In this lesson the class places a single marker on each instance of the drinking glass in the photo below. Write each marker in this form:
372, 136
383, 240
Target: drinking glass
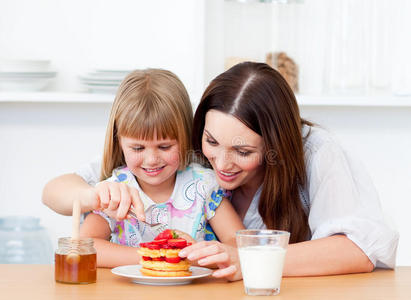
262, 255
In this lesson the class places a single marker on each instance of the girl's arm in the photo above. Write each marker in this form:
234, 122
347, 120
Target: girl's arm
60, 192
109, 255
226, 222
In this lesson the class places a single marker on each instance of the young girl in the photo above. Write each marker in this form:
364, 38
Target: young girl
147, 147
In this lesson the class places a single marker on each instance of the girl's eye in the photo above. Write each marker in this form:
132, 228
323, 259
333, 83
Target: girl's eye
243, 153
211, 142
164, 147
137, 149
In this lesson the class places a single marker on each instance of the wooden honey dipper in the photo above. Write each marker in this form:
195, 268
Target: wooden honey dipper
73, 256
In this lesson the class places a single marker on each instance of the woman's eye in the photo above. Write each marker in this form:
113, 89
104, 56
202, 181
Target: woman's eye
243, 153
211, 142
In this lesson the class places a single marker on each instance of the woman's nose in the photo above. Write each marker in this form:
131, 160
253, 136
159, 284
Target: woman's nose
223, 160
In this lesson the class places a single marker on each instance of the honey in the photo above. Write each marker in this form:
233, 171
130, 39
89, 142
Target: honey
76, 266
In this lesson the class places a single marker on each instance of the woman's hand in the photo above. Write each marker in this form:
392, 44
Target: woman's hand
115, 199
185, 236
215, 253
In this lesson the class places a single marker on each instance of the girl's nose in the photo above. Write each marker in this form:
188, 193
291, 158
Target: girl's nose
151, 158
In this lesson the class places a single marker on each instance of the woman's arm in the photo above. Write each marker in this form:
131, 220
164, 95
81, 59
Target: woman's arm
327, 256
226, 222
109, 255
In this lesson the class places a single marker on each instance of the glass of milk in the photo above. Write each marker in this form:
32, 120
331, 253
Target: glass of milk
262, 255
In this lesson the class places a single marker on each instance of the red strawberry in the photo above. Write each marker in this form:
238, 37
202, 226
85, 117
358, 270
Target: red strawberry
166, 234
146, 258
177, 243
166, 246
161, 258
153, 246
159, 242
143, 245
173, 260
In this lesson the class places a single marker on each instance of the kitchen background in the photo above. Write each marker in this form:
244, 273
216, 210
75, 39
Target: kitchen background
354, 78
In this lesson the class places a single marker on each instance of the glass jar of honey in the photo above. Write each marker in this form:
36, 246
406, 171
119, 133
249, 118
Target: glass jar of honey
75, 261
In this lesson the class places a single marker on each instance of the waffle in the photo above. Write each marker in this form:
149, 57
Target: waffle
159, 258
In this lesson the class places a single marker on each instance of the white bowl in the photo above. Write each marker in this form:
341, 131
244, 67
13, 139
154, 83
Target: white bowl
24, 65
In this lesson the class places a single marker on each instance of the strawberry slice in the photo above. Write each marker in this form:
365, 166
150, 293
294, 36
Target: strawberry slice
166, 246
177, 243
153, 246
143, 245
173, 260
159, 242
146, 258
166, 234
161, 258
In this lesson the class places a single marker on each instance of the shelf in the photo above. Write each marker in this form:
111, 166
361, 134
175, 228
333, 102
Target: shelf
303, 100
359, 101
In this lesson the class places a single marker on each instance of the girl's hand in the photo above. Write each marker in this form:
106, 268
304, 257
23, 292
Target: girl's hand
215, 253
116, 199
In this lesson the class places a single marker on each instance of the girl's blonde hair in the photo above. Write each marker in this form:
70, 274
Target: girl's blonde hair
151, 103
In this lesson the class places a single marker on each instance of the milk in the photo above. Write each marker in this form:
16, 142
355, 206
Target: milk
262, 266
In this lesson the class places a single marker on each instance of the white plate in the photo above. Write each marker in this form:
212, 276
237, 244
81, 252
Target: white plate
98, 81
133, 272
113, 71
101, 89
27, 74
24, 65
24, 84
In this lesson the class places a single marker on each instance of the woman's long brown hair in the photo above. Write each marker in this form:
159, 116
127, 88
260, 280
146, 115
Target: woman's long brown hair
259, 96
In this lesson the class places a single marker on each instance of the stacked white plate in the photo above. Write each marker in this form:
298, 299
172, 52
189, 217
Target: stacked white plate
25, 75
103, 81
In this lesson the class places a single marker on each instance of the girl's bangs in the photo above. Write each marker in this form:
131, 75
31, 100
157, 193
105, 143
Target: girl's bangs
153, 125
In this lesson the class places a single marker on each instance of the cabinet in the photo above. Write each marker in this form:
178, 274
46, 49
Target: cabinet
349, 48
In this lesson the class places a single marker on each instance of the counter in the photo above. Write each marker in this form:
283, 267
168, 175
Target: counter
37, 282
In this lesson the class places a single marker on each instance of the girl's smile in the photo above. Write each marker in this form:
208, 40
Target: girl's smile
153, 171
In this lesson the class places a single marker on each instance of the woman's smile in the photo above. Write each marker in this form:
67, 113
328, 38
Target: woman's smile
228, 176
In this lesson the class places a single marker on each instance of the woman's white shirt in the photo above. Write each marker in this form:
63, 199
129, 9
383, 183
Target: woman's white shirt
339, 198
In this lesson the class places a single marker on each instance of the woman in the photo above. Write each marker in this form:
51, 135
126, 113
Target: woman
283, 173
